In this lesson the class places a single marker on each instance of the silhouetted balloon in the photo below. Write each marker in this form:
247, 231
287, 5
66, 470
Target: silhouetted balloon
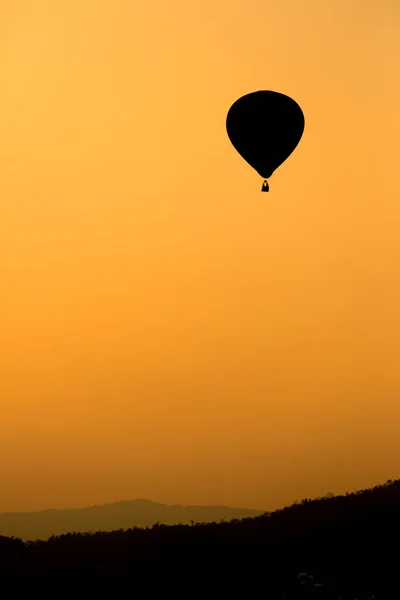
265, 127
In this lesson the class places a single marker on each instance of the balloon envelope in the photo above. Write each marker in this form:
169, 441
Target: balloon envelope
265, 127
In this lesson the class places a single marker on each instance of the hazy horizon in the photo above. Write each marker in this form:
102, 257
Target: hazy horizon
113, 517
133, 500
167, 330
183, 505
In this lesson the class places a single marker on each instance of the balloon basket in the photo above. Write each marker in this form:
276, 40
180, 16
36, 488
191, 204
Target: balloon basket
265, 186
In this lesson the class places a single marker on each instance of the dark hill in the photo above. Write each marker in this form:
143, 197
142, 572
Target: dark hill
349, 543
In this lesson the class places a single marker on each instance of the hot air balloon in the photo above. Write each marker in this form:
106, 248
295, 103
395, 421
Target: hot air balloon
265, 127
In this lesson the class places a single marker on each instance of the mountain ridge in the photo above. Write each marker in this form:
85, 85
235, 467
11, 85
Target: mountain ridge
124, 514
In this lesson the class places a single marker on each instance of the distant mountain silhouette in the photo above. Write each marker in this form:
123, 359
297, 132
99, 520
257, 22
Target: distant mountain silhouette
109, 517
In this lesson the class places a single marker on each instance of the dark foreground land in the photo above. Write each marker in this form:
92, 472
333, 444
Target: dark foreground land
349, 543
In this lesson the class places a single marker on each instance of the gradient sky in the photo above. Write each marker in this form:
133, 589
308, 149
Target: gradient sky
167, 331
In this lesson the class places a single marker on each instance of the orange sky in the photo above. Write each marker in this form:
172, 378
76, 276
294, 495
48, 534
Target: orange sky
167, 331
